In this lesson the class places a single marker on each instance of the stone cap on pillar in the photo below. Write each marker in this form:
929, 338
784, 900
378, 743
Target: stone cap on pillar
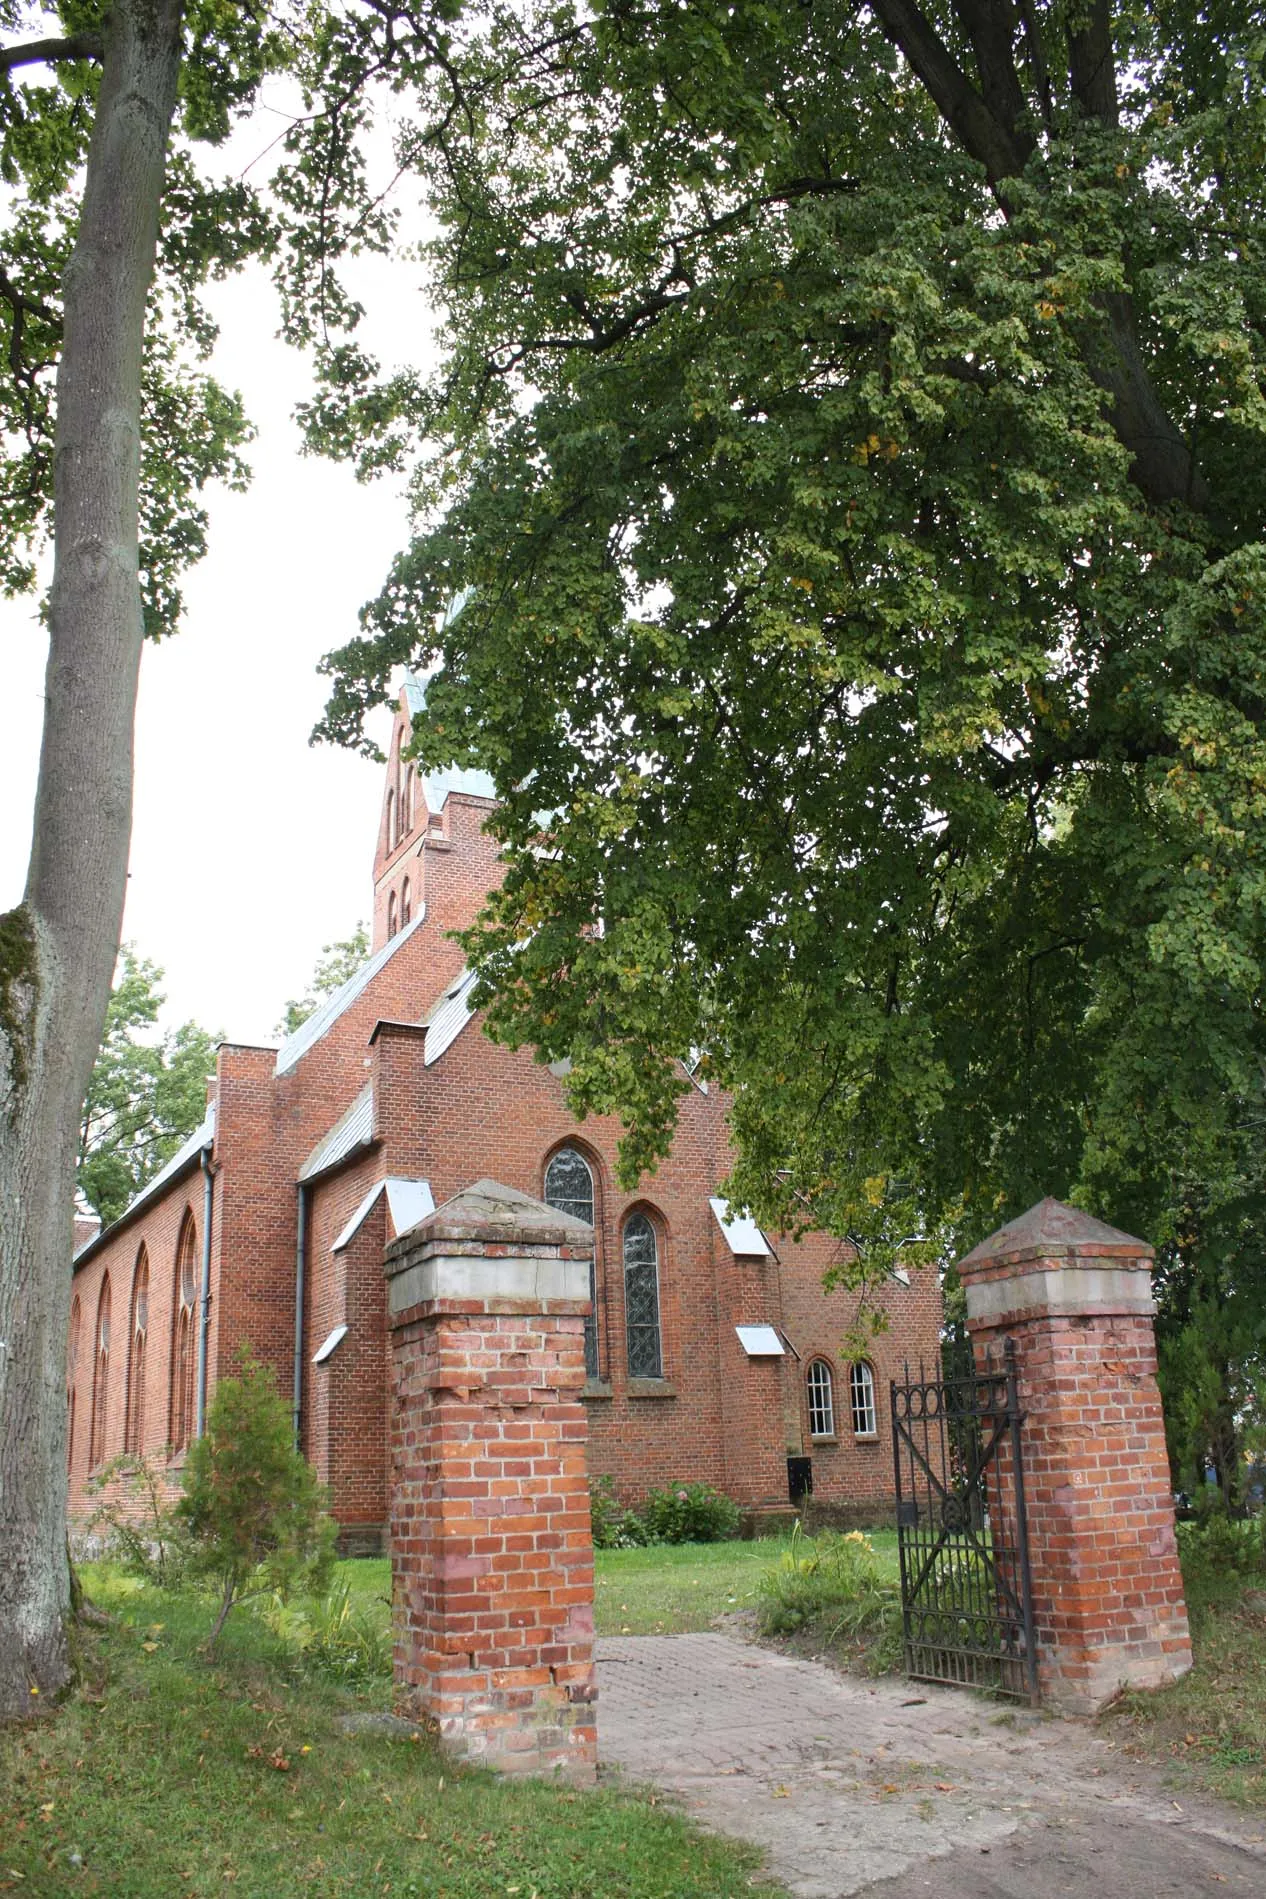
1056, 1261
490, 1248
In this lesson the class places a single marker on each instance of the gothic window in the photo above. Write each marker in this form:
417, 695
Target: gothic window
184, 1343
569, 1189
406, 904
391, 915
406, 804
641, 1298
134, 1424
861, 1392
100, 1378
72, 1378
391, 820
821, 1399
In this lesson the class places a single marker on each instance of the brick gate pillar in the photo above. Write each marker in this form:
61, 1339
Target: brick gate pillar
1075, 1297
491, 1556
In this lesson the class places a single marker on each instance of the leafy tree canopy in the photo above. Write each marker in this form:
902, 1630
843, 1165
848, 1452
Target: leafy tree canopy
849, 450
337, 963
148, 1090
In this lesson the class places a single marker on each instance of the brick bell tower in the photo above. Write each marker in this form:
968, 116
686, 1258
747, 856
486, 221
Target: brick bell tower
431, 857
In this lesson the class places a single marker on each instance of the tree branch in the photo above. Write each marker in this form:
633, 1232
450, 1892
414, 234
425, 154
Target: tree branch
910, 31
48, 52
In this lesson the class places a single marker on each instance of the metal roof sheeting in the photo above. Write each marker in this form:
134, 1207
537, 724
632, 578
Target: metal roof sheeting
449, 1017
330, 1346
466, 780
408, 1201
742, 1235
760, 1341
310, 1032
354, 1128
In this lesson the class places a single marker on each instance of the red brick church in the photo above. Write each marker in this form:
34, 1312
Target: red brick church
713, 1352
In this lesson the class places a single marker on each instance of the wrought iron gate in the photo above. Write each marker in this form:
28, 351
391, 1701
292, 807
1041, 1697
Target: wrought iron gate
966, 1597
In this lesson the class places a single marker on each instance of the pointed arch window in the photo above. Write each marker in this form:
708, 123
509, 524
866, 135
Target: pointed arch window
406, 904
184, 1349
821, 1399
101, 1378
861, 1393
72, 1377
391, 915
406, 804
641, 1298
569, 1189
391, 820
134, 1424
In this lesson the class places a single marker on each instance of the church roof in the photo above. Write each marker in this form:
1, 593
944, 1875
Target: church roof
188, 1151
449, 1017
408, 1201
354, 1128
309, 1033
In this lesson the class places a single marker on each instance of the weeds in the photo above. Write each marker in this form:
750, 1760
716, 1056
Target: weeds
834, 1584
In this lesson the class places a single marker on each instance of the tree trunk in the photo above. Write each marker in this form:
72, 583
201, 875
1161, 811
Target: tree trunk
57, 951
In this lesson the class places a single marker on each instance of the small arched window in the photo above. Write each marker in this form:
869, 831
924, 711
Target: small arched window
641, 1298
406, 804
72, 1377
101, 1378
391, 820
184, 1346
861, 1392
134, 1424
569, 1189
391, 915
406, 904
821, 1399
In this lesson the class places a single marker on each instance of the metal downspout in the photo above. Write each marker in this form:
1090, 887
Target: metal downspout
204, 1297
301, 1269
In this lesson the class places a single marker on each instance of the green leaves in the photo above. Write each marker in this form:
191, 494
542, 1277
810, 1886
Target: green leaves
865, 567
147, 1092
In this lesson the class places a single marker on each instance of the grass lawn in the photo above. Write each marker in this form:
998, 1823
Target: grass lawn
166, 1777
670, 1590
686, 1586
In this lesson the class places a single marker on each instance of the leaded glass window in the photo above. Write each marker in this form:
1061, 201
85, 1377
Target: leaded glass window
821, 1400
101, 1379
134, 1422
184, 1351
569, 1189
641, 1298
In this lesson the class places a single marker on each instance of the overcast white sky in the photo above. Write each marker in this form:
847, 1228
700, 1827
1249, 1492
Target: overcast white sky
250, 848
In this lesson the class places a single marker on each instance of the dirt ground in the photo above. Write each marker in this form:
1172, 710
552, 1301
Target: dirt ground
890, 1788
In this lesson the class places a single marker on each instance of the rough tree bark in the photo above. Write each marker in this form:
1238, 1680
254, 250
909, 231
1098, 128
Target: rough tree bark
57, 950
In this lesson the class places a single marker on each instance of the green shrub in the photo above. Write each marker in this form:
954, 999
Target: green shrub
689, 1513
253, 1511
333, 1636
834, 1582
1219, 1554
614, 1525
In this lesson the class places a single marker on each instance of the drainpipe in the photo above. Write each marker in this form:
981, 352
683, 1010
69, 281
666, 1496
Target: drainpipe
204, 1298
301, 1269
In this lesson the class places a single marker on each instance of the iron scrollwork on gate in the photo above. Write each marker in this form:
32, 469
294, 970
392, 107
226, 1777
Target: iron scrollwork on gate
966, 1596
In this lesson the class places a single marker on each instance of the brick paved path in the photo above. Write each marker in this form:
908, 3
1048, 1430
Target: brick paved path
848, 1784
